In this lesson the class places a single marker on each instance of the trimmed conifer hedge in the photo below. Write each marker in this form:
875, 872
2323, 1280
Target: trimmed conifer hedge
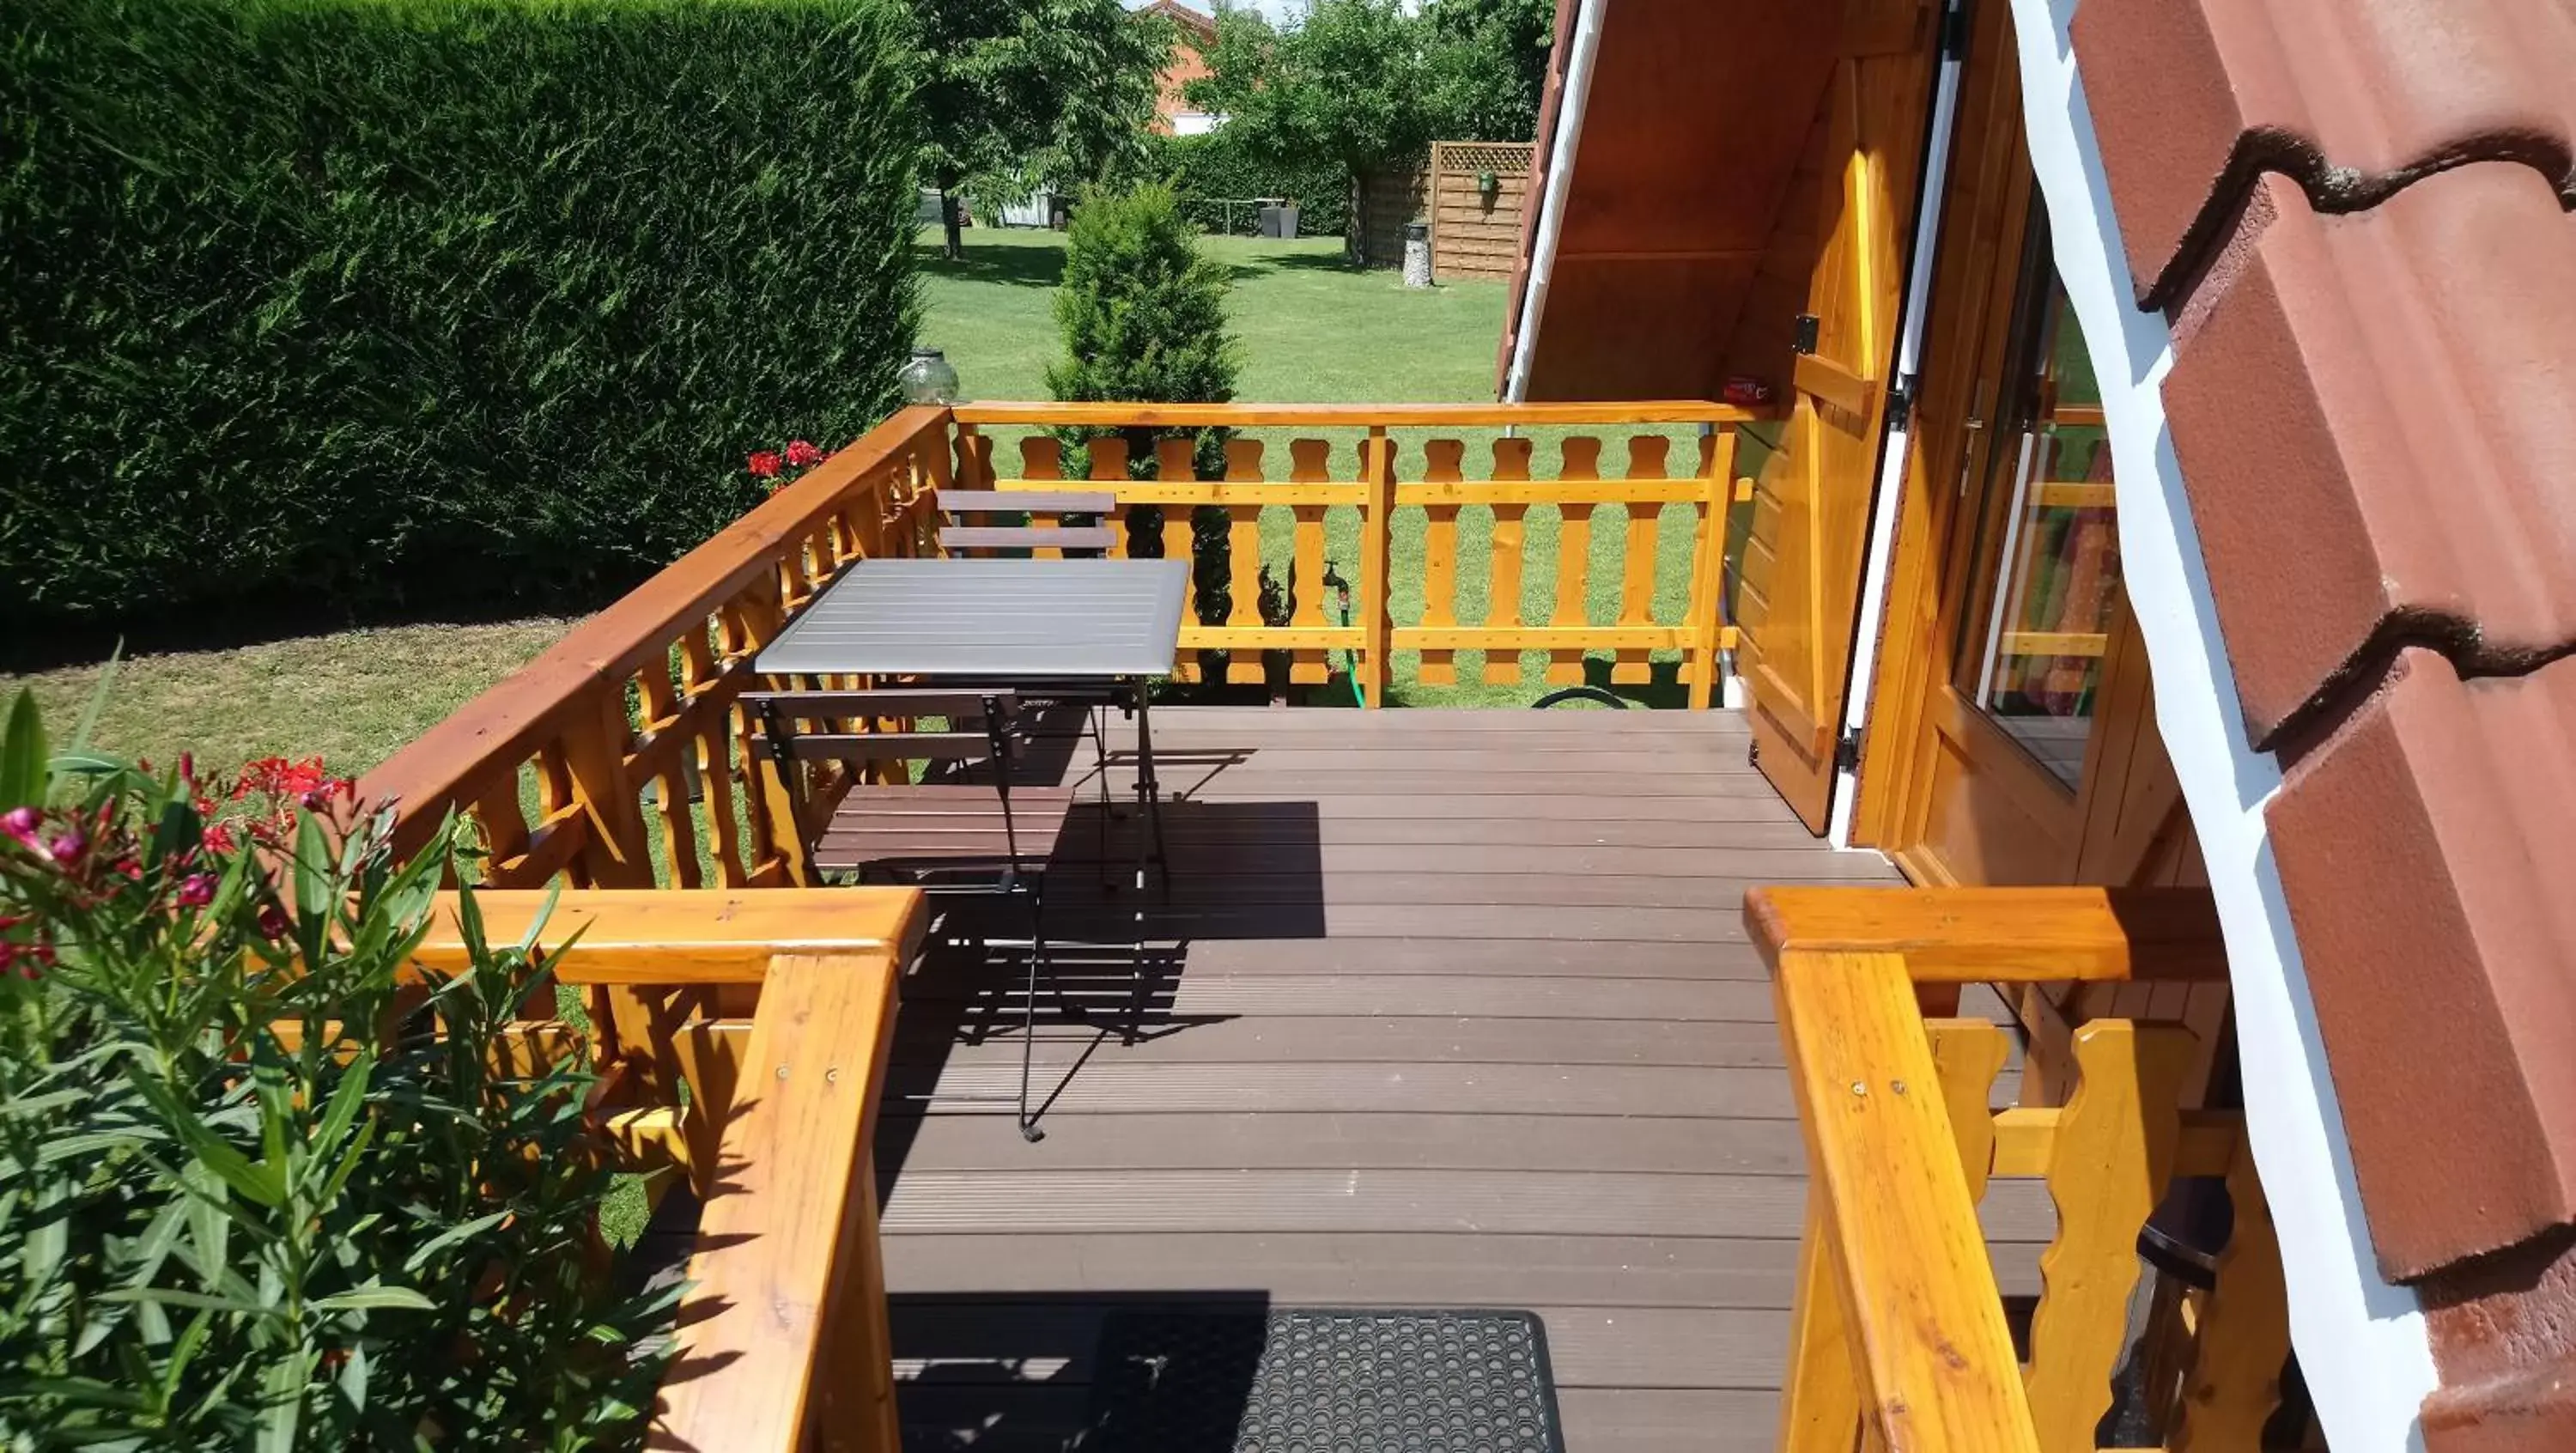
1202, 169
370, 304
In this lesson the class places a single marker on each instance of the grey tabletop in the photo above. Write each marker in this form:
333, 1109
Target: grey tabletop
1106, 618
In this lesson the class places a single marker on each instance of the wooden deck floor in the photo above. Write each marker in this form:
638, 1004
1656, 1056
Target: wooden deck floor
1448, 1009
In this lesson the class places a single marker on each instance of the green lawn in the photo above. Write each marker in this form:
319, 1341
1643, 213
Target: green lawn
1314, 331
348, 697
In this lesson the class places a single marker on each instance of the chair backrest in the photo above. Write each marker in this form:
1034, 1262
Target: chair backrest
813, 726
958, 538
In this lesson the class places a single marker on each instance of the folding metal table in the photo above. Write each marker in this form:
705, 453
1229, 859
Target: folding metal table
1108, 625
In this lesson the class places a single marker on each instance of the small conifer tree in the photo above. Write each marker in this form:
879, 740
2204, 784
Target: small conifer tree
1143, 315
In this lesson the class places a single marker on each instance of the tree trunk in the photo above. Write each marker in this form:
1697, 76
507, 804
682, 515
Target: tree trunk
952, 215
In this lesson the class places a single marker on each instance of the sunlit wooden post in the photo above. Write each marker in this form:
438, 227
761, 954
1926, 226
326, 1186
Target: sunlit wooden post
1708, 568
1377, 518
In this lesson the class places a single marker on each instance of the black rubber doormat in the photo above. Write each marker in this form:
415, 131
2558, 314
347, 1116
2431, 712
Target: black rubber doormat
1323, 1380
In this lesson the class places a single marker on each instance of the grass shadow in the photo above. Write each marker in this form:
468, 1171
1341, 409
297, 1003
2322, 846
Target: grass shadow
1026, 267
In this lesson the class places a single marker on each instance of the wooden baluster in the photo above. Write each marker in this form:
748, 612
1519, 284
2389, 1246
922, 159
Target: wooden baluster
1708, 568
1243, 556
974, 458
1503, 599
2108, 1167
1243, 585
1377, 511
1441, 461
671, 784
774, 822
2235, 1380
505, 832
1041, 457
1573, 559
1176, 462
1109, 459
1647, 454
1969, 1053
1820, 1396
593, 770
714, 752
1309, 462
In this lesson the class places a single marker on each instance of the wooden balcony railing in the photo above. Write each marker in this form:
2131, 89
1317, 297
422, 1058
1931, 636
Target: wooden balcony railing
782, 1338
1900, 1337
614, 760
1382, 480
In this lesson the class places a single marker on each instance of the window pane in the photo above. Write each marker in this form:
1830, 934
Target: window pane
2040, 662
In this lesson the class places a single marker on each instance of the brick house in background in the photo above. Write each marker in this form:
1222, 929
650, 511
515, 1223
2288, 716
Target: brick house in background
1173, 114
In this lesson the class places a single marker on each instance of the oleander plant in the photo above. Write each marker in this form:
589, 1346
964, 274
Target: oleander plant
263, 1183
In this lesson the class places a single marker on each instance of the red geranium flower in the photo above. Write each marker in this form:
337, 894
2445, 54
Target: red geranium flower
802, 455
765, 464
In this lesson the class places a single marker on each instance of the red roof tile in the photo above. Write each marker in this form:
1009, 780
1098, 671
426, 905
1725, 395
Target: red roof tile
2377, 421
2354, 98
2426, 852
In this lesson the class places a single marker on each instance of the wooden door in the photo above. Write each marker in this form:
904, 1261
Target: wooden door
1800, 586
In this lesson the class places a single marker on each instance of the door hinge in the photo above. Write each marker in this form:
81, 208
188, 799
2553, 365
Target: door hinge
1900, 400
1809, 333
1847, 752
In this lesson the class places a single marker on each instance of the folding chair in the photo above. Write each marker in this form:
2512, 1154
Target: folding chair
947, 834
959, 505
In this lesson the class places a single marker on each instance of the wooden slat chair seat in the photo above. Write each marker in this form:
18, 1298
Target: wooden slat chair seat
961, 538
966, 828
939, 825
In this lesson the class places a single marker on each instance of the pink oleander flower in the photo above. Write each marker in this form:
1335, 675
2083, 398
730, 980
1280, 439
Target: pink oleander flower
272, 922
21, 823
196, 890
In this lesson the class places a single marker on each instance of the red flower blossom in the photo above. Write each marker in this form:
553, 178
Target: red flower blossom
220, 838
272, 922
765, 464
802, 455
196, 890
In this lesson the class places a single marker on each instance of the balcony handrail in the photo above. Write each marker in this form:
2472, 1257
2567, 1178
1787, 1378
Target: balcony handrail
1040, 414
783, 1330
1899, 1334
565, 712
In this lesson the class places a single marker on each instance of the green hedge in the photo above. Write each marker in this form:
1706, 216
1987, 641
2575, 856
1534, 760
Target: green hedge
404, 304
1203, 168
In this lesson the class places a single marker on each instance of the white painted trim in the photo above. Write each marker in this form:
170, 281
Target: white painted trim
1878, 560
2362, 1343
1560, 181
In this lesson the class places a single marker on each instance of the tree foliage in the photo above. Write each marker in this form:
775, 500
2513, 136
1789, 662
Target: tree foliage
1018, 93
1371, 86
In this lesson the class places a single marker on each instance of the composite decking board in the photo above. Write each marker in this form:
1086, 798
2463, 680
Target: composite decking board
1395, 957
1568, 996
1788, 844
1386, 1269
1106, 1086
1399, 1040
1109, 923
1448, 1008
1515, 1203
1352, 1140
1280, 884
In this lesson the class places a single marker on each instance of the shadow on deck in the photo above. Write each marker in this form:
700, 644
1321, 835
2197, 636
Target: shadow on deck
1445, 1010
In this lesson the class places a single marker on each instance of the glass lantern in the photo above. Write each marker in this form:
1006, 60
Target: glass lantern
929, 379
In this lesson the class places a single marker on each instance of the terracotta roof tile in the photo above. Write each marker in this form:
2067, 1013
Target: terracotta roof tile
2354, 98
2426, 852
2376, 421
